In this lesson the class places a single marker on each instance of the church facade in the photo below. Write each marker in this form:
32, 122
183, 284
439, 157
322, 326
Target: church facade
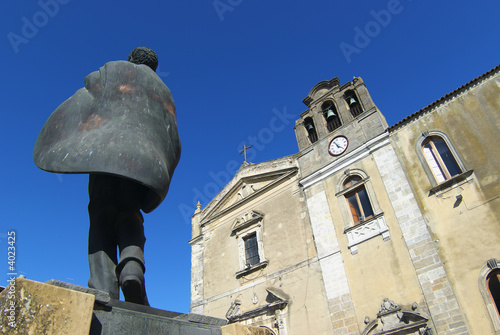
368, 229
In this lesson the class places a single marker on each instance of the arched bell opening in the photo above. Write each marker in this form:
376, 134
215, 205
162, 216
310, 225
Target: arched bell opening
311, 129
353, 102
331, 116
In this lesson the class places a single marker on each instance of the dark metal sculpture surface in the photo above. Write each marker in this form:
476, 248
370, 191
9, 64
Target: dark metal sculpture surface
122, 123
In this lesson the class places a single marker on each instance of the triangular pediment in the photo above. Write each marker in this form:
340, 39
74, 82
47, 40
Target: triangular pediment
246, 220
274, 302
275, 295
253, 181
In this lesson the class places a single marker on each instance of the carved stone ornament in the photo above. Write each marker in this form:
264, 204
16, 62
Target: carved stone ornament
246, 190
234, 309
493, 264
392, 319
365, 231
388, 306
246, 220
255, 298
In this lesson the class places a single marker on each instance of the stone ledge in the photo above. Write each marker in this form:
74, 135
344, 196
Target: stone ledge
252, 268
237, 329
100, 296
450, 183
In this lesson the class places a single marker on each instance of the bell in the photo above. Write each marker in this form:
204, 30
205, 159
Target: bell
352, 101
330, 114
309, 127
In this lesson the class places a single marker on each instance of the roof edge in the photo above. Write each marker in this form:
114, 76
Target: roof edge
445, 98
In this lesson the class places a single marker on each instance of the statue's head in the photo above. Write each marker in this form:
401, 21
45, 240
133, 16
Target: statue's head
143, 55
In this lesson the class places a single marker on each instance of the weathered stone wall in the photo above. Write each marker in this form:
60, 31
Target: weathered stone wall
462, 219
439, 296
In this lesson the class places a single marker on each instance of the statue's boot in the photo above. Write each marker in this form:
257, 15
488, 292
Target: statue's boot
102, 274
130, 272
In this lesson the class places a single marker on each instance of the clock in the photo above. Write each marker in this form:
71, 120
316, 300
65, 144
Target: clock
338, 145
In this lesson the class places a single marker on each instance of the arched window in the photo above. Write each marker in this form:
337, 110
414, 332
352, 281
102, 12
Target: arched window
353, 103
489, 287
363, 218
357, 200
311, 130
331, 116
440, 159
493, 285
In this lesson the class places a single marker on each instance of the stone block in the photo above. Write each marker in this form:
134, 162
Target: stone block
30, 307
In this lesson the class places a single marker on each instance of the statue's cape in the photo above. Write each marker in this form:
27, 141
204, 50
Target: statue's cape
122, 123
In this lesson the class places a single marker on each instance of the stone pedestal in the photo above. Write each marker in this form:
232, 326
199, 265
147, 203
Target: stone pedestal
29, 307
118, 317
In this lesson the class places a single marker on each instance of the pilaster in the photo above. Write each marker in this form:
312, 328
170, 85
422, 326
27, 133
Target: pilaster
197, 252
337, 290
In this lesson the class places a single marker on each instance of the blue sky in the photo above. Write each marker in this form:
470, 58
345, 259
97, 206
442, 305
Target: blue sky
238, 71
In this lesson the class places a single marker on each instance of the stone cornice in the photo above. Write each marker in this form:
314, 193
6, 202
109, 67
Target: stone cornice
357, 154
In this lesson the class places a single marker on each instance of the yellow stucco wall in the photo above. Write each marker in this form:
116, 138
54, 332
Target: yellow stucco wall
467, 232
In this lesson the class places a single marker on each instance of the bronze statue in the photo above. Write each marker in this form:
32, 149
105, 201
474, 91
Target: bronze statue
120, 128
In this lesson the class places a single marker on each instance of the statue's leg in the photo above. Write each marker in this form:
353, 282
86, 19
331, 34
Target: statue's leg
102, 237
130, 269
131, 240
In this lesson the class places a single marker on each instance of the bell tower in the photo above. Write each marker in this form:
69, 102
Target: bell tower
339, 119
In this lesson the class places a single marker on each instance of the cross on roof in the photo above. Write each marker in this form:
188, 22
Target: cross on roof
245, 147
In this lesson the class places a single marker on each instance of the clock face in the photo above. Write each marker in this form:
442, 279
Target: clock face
338, 145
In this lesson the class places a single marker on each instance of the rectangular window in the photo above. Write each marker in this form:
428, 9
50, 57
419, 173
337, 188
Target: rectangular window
251, 250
